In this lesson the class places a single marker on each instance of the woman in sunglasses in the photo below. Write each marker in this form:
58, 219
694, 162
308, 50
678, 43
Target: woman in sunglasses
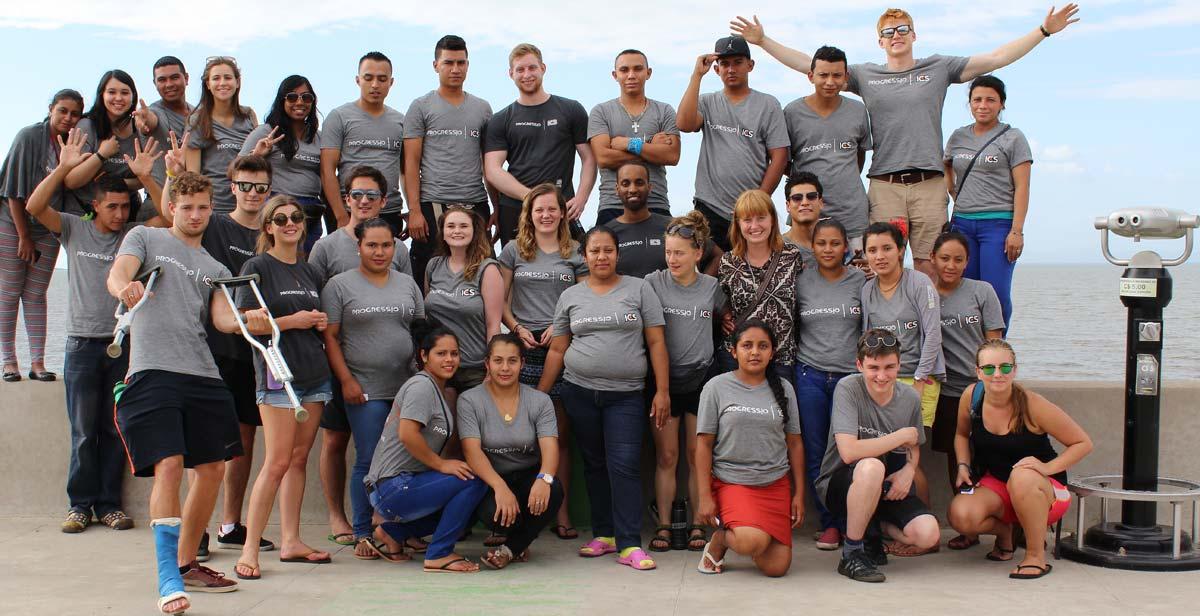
1008, 472
691, 302
970, 315
289, 139
291, 289
218, 127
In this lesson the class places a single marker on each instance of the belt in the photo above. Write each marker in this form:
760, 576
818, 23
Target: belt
908, 176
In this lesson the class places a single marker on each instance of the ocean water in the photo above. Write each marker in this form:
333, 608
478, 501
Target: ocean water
1068, 323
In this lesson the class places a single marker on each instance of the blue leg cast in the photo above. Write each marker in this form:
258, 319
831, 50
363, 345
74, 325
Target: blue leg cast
166, 549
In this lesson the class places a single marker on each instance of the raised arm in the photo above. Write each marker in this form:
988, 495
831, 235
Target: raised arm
688, 119
70, 155
1002, 56
754, 34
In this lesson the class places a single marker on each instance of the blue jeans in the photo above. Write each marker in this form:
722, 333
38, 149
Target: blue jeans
988, 261
428, 503
814, 396
366, 425
608, 431
97, 454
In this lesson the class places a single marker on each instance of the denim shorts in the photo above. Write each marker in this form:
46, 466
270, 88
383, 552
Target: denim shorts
321, 392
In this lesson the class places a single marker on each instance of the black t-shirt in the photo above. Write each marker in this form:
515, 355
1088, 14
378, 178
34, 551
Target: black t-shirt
540, 141
288, 288
642, 247
232, 245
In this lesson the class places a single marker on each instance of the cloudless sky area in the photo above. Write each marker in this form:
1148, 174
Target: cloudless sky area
1105, 103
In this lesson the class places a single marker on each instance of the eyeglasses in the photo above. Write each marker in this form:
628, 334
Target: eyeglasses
890, 32
990, 369
281, 219
364, 195
258, 187
801, 197
875, 342
292, 97
683, 231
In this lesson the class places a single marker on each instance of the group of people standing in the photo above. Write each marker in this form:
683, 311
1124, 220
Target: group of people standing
464, 376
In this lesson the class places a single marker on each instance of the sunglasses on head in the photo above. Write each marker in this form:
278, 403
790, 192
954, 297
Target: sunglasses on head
990, 369
800, 197
258, 187
282, 219
364, 195
292, 97
890, 32
220, 60
683, 231
875, 342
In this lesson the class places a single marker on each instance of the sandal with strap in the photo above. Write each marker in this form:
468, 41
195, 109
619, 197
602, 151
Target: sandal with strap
697, 538
498, 558
1041, 572
379, 550
446, 568
255, 571
962, 542
998, 554
705, 557
564, 532
660, 542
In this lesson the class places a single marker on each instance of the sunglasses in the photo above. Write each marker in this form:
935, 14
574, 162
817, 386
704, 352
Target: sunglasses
292, 97
258, 187
875, 342
890, 32
281, 219
683, 231
221, 60
801, 197
364, 195
990, 369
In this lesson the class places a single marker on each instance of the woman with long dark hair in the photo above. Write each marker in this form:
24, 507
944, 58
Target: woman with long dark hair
110, 133
219, 126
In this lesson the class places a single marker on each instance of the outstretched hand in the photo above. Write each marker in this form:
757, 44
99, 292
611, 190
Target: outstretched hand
1057, 21
143, 161
70, 150
752, 31
141, 117
266, 144
176, 157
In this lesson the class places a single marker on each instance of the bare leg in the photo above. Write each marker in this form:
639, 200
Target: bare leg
921, 532
863, 497
291, 491
333, 479
689, 431
164, 503
921, 485
279, 435
979, 514
1032, 497
198, 508
237, 475
666, 457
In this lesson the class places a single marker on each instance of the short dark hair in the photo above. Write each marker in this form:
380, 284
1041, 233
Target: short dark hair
879, 350
360, 230
108, 184
988, 81
376, 56
252, 163
803, 177
593, 232
634, 163
952, 236
450, 42
827, 53
632, 51
169, 61
365, 171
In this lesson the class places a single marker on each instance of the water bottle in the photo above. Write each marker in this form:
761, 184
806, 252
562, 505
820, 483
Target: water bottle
679, 525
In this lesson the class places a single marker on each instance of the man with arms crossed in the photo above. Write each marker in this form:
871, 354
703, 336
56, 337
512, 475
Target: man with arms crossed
904, 97
867, 473
744, 140
629, 128
538, 135
443, 138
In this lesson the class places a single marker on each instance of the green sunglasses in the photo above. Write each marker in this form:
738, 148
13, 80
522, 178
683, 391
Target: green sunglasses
990, 369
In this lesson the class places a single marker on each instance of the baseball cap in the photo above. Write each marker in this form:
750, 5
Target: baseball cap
732, 46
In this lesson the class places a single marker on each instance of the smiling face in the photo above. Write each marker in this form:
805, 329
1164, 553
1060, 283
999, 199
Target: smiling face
900, 45
451, 67
829, 247
631, 72
985, 105
880, 372
363, 203
949, 261
458, 230
65, 114
804, 204
442, 359
118, 98
289, 232
883, 255
753, 351
527, 72
997, 382
171, 83
250, 201
374, 80
633, 187
504, 364
376, 249
756, 228
545, 213
601, 255
297, 111
223, 82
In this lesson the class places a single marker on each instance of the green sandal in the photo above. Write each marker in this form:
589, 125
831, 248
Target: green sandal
697, 538
659, 543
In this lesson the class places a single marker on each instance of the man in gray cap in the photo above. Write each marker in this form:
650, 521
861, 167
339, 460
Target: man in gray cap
744, 139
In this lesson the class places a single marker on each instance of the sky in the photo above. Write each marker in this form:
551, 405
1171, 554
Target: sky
1104, 104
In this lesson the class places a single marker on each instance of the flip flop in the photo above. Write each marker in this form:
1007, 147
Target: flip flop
179, 594
962, 542
1041, 572
997, 552
342, 538
306, 559
716, 564
904, 550
379, 551
253, 576
565, 532
445, 568
419, 547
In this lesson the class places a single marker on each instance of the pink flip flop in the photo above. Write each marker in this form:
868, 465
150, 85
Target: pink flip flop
637, 559
596, 547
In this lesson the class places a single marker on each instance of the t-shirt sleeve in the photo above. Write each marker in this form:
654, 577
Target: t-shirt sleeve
562, 316
468, 420
1020, 151
793, 410
707, 415
417, 401
948, 151
719, 299
496, 137
844, 416
21, 168
597, 124
669, 126
954, 67
581, 268
652, 310
547, 423
418, 301
331, 302
135, 244
852, 84
993, 315
579, 122
414, 120
333, 131
508, 256
776, 126
702, 105
243, 296
67, 224
260, 131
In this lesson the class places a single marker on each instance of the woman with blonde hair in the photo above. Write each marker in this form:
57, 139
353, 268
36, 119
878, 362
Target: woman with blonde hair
219, 126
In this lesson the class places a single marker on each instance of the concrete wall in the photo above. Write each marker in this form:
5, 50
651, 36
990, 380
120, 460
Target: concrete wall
35, 445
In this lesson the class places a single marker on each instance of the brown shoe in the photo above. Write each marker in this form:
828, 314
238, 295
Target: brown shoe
76, 522
117, 520
202, 579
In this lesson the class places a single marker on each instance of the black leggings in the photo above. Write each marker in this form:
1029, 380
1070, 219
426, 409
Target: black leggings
527, 526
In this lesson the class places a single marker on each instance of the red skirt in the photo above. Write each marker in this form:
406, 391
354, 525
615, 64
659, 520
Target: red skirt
767, 508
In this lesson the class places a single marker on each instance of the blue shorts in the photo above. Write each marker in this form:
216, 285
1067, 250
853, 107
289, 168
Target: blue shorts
321, 392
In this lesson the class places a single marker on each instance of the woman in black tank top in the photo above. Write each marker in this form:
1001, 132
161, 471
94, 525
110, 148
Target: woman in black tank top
1008, 472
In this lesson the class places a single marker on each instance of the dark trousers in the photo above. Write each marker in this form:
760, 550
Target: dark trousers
427, 503
814, 396
608, 430
527, 526
97, 455
717, 224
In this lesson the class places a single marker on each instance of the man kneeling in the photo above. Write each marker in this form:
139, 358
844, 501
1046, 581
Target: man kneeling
867, 474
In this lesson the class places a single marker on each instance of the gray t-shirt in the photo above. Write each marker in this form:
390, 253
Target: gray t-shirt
29, 161
608, 350
906, 110
734, 146
368, 140
374, 328
452, 150
168, 121
807, 258
420, 400
914, 316
855, 412
510, 447
610, 118
829, 147
90, 254
299, 177
688, 312
458, 304
751, 431
537, 284
113, 166
167, 332
989, 186
830, 319
643, 247
337, 252
217, 153
968, 313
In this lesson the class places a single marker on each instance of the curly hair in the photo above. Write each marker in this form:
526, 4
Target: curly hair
188, 183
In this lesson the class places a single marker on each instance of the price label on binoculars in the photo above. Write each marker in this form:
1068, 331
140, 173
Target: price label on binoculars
1139, 287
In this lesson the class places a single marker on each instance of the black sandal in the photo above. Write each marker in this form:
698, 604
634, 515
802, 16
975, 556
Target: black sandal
12, 377
997, 552
44, 376
697, 534
1041, 572
659, 543
564, 532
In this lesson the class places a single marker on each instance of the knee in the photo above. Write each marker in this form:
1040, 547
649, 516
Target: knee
961, 515
869, 471
275, 468
1024, 481
169, 470
212, 472
925, 532
667, 458
777, 568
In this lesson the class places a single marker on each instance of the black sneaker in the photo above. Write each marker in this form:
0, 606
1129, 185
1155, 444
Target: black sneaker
875, 552
202, 554
236, 538
858, 567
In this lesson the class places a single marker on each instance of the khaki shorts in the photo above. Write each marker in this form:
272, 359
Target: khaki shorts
921, 205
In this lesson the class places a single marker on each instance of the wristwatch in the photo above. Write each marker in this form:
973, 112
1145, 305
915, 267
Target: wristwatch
547, 477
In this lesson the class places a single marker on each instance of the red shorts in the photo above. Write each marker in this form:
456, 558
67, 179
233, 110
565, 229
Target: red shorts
767, 508
1062, 499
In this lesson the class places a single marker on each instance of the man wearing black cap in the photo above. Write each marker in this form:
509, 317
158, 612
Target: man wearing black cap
744, 142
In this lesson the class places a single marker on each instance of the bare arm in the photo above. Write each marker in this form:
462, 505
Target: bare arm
223, 317
38, 204
410, 437
330, 157
192, 160
948, 175
121, 274
554, 362
1012, 51
472, 449
852, 449
688, 118
754, 34
499, 177
587, 180
775, 168
1020, 176
962, 434
706, 509
493, 291
1058, 424
418, 227
607, 156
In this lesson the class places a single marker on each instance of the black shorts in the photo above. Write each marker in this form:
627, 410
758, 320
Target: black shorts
897, 513
945, 423
162, 414
685, 402
717, 224
239, 378
334, 416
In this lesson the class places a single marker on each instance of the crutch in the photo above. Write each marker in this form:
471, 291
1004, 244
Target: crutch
270, 352
124, 315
